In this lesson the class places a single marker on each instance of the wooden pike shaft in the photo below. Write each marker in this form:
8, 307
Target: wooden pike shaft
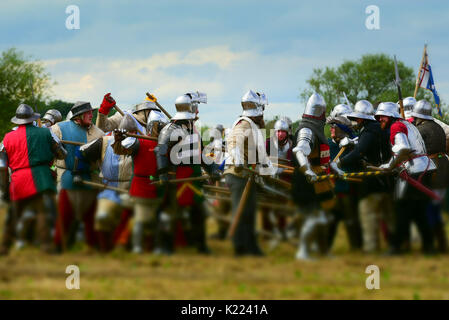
419, 71
283, 183
103, 186
75, 143
353, 174
339, 153
159, 105
123, 114
283, 166
141, 136
205, 177
260, 204
240, 208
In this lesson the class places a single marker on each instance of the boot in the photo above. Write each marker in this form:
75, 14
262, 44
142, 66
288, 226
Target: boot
440, 236
137, 237
105, 241
306, 238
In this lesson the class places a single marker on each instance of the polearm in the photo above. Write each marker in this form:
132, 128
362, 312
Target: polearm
122, 113
352, 175
73, 143
397, 81
420, 69
145, 137
153, 98
102, 186
241, 207
283, 183
39, 123
205, 177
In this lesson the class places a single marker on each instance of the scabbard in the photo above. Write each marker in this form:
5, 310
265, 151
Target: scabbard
418, 185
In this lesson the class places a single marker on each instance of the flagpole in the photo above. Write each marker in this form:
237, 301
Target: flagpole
420, 68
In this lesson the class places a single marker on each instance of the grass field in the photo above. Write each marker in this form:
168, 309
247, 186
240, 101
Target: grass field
29, 274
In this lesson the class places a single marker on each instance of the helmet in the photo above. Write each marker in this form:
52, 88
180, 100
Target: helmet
158, 119
281, 125
80, 107
128, 123
316, 106
146, 105
389, 109
340, 109
423, 110
219, 127
187, 105
363, 109
253, 104
339, 113
24, 115
408, 103
53, 116
289, 122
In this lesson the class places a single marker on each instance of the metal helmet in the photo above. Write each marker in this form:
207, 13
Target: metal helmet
146, 105
423, 110
316, 106
128, 123
281, 125
24, 115
53, 116
290, 124
156, 121
80, 107
253, 104
219, 127
338, 112
408, 103
187, 105
389, 109
363, 109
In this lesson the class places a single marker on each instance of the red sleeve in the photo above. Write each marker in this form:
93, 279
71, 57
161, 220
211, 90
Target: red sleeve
397, 127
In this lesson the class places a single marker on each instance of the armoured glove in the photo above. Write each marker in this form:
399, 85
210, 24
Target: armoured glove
345, 142
336, 169
119, 134
107, 104
310, 176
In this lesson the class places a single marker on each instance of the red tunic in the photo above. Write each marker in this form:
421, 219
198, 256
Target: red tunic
145, 165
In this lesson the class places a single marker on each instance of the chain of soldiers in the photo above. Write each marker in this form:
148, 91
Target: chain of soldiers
143, 179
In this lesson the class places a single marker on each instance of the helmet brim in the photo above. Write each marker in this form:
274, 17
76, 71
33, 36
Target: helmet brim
34, 117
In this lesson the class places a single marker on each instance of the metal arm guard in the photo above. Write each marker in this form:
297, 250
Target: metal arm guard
58, 149
401, 150
304, 148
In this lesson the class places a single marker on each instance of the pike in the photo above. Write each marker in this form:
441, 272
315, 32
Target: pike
145, 137
285, 184
205, 177
101, 186
352, 174
152, 97
241, 207
34, 100
397, 81
123, 114
74, 143
414, 183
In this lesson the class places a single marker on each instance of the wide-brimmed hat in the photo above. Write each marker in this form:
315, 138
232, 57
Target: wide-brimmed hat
24, 115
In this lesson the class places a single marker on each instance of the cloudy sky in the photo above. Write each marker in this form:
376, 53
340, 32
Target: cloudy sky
221, 47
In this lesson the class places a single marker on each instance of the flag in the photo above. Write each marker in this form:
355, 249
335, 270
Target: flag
425, 80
